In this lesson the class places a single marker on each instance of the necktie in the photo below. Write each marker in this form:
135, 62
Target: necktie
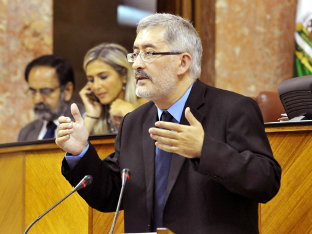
51, 126
162, 166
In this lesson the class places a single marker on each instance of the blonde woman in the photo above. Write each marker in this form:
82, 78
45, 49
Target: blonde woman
110, 91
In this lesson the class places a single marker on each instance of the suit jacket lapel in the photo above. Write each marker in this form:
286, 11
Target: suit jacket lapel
195, 101
149, 157
33, 135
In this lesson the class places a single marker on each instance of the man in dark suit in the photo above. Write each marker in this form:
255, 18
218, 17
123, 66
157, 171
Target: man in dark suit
204, 169
51, 84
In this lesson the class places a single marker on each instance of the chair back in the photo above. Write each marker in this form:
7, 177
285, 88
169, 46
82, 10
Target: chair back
270, 106
296, 96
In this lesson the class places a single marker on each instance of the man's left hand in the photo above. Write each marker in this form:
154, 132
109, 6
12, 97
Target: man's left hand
185, 140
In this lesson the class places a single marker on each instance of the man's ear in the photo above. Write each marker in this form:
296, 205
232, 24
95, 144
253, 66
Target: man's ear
68, 91
185, 63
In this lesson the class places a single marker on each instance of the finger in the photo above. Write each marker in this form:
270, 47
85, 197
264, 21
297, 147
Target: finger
76, 113
165, 147
64, 119
61, 140
164, 140
162, 133
66, 132
169, 126
65, 126
190, 117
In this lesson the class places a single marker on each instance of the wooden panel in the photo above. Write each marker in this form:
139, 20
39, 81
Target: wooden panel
31, 182
11, 193
102, 222
291, 210
45, 187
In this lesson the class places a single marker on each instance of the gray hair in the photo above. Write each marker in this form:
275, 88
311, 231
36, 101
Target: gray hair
180, 35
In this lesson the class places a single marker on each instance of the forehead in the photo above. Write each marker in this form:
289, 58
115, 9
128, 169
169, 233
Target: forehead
43, 76
98, 66
150, 38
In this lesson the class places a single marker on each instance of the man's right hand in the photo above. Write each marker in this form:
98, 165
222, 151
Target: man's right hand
72, 137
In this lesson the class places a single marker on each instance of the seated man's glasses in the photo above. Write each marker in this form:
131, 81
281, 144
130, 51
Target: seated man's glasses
147, 56
46, 92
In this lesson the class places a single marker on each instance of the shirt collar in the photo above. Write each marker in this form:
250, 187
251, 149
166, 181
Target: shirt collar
177, 108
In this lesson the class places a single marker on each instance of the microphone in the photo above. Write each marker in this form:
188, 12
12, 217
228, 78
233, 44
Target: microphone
125, 175
82, 184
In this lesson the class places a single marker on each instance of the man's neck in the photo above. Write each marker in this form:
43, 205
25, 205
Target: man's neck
166, 102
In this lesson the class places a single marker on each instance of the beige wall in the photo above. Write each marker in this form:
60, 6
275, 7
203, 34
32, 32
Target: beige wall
254, 44
25, 33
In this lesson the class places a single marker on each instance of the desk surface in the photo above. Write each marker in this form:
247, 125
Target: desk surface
50, 144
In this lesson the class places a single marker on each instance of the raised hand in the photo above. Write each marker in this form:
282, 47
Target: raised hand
185, 140
90, 101
72, 137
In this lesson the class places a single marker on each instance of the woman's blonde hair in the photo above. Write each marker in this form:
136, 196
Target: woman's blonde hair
116, 56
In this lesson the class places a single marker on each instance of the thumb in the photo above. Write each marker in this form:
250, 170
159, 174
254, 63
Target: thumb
190, 117
76, 113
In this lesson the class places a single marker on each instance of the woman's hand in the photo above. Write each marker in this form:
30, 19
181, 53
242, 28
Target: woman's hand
92, 105
118, 109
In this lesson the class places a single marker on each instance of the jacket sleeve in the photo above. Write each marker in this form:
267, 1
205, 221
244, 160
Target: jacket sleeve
244, 162
104, 191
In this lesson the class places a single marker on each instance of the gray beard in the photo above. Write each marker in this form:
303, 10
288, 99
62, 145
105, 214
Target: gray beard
43, 111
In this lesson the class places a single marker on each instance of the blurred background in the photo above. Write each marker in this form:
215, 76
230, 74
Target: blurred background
249, 46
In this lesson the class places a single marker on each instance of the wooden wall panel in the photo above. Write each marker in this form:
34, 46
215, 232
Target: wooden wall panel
12, 193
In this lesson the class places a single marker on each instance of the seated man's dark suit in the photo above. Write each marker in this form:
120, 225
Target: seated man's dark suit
218, 193
31, 131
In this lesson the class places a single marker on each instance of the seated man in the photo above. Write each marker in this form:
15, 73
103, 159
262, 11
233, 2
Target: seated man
51, 84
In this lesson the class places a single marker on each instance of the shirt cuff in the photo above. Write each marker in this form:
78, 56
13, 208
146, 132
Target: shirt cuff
72, 160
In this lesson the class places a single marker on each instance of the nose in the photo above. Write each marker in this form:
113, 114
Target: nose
38, 98
138, 63
98, 83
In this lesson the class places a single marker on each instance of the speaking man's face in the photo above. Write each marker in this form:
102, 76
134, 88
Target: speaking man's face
155, 79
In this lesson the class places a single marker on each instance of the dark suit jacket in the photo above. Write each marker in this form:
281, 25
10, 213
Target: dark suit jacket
31, 131
218, 193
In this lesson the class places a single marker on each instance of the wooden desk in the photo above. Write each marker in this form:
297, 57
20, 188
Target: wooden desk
290, 211
31, 182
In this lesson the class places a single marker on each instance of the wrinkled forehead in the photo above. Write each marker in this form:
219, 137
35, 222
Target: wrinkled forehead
152, 37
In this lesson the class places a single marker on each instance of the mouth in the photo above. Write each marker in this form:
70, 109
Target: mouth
101, 95
141, 75
139, 78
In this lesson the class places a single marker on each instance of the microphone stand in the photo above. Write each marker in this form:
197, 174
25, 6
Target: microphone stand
125, 175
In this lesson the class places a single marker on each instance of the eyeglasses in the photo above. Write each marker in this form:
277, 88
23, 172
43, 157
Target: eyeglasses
147, 56
46, 92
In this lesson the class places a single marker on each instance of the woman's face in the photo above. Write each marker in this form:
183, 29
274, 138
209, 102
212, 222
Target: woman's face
104, 81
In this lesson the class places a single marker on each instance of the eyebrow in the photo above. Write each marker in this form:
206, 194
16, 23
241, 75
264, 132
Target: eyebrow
99, 74
144, 46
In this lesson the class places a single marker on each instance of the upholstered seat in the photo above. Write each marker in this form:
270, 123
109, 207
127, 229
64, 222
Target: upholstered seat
270, 105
